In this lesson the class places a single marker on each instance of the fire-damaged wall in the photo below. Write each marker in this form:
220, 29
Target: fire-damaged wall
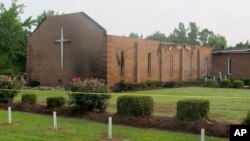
137, 60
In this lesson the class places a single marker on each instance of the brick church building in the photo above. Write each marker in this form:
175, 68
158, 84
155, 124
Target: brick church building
232, 62
70, 45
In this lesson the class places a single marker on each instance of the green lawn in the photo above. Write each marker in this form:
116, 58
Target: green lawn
33, 127
226, 105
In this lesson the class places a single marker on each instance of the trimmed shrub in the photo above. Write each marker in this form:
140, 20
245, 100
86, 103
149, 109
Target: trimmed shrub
246, 81
225, 83
246, 121
192, 109
55, 102
6, 96
29, 99
94, 97
89, 102
138, 106
211, 83
238, 84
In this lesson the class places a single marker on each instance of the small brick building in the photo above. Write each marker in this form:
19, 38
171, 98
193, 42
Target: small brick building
70, 45
232, 62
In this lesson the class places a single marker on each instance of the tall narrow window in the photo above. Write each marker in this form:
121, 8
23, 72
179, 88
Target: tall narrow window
149, 64
229, 63
171, 65
206, 65
122, 63
190, 66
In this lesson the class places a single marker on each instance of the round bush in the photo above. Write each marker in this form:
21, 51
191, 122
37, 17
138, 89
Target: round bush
246, 121
225, 83
238, 84
6, 95
55, 102
89, 102
94, 97
138, 106
211, 83
192, 109
29, 99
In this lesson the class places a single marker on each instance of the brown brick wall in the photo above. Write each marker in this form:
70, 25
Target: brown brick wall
92, 53
240, 65
84, 56
136, 60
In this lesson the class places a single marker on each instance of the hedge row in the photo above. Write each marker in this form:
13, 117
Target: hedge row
132, 86
225, 83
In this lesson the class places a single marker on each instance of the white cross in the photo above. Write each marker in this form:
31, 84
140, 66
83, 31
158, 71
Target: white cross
61, 41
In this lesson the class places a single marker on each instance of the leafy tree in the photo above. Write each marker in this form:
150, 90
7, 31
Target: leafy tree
135, 36
179, 34
241, 44
13, 34
204, 36
44, 15
193, 34
158, 36
209, 38
217, 41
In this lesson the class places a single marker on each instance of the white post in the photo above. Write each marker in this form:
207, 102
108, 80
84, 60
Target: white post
205, 78
214, 77
55, 120
9, 115
202, 134
110, 128
225, 77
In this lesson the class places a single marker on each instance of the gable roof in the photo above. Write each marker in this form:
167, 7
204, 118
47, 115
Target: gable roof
231, 50
83, 14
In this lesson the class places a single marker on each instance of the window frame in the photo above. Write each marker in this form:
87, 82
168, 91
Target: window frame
229, 66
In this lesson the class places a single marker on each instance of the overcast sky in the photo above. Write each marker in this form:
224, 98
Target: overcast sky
230, 18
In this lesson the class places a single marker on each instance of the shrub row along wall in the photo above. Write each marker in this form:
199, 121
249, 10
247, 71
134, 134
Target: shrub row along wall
225, 83
133, 86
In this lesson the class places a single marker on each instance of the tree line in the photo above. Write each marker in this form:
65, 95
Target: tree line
189, 35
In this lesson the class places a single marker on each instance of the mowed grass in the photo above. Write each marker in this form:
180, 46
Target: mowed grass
33, 127
226, 105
